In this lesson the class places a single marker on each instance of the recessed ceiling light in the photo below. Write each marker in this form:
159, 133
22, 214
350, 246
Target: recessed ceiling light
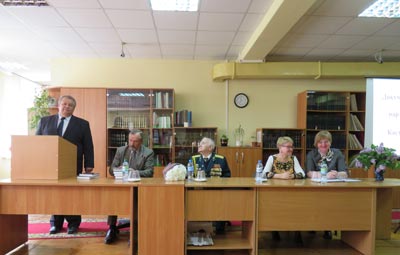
23, 2
383, 9
175, 5
12, 66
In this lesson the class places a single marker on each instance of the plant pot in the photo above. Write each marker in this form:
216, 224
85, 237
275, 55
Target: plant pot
255, 144
224, 142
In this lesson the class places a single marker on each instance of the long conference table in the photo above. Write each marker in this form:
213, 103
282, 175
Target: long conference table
360, 210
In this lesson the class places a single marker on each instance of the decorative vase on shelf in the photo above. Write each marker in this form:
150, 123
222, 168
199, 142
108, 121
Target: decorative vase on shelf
379, 175
239, 134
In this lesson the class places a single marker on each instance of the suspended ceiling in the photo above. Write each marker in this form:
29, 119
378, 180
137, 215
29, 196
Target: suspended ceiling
249, 30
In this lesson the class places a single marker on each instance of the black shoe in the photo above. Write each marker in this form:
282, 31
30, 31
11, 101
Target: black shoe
111, 235
276, 236
327, 235
54, 230
72, 230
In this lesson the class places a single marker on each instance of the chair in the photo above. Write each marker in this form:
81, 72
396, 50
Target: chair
396, 219
123, 224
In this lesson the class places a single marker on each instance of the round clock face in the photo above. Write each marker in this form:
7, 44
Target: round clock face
241, 100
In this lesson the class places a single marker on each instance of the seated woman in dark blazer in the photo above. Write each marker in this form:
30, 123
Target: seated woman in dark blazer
333, 158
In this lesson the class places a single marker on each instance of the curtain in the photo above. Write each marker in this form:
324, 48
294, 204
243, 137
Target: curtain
16, 97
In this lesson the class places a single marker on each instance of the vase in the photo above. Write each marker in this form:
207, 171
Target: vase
379, 176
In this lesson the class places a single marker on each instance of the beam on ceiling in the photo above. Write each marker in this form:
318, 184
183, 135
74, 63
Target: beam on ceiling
279, 19
304, 70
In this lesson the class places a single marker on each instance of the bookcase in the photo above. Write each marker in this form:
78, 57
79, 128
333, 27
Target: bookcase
269, 137
187, 139
151, 111
342, 113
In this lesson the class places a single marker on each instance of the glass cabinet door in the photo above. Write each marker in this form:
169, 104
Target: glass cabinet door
187, 139
149, 110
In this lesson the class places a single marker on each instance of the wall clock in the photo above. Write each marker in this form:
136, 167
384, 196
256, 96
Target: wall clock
241, 100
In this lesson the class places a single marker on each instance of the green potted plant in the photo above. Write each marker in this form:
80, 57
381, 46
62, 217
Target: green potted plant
224, 140
239, 134
40, 108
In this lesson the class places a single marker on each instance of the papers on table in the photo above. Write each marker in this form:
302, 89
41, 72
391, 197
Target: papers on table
336, 180
118, 175
88, 176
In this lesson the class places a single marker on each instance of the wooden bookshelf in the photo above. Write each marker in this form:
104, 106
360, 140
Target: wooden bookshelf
269, 137
151, 111
342, 113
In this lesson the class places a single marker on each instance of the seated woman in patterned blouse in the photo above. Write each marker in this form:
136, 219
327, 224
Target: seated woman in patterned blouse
283, 165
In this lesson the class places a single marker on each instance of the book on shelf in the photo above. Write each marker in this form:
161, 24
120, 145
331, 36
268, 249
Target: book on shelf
183, 116
88, 176
355, 123
353, 103
354, 143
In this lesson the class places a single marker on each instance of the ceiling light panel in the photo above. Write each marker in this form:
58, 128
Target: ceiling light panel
23, 2
383, 9
175, 5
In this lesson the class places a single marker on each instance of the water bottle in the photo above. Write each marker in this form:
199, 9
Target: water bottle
125, 170
190, 169
259, 170
324, 171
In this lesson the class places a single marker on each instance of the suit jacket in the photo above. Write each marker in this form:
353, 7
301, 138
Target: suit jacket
336, 163
198, 161
144, 160
77, 132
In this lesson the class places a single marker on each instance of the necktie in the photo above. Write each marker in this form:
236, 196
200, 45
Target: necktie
205, 160
60, 126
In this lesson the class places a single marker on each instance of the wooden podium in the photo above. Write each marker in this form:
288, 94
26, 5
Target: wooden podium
42, 158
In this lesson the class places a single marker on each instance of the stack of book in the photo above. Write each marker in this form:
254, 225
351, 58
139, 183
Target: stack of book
88, 176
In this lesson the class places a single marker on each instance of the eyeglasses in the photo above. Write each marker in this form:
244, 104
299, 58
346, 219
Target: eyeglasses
287, 146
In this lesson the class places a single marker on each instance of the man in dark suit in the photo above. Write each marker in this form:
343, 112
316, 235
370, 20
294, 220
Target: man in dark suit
77, 131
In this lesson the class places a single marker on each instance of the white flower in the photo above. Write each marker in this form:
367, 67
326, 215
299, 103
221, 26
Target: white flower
177, 173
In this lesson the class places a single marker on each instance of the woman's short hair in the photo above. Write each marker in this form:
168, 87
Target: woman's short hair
282, 140
322, 135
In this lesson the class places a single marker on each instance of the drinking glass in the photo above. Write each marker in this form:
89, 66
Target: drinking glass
134, 174
315, 175
201, 175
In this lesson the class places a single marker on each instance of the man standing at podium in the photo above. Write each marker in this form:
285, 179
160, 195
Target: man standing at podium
76, 131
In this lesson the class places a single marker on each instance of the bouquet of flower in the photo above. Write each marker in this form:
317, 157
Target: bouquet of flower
174, 172
379, 156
